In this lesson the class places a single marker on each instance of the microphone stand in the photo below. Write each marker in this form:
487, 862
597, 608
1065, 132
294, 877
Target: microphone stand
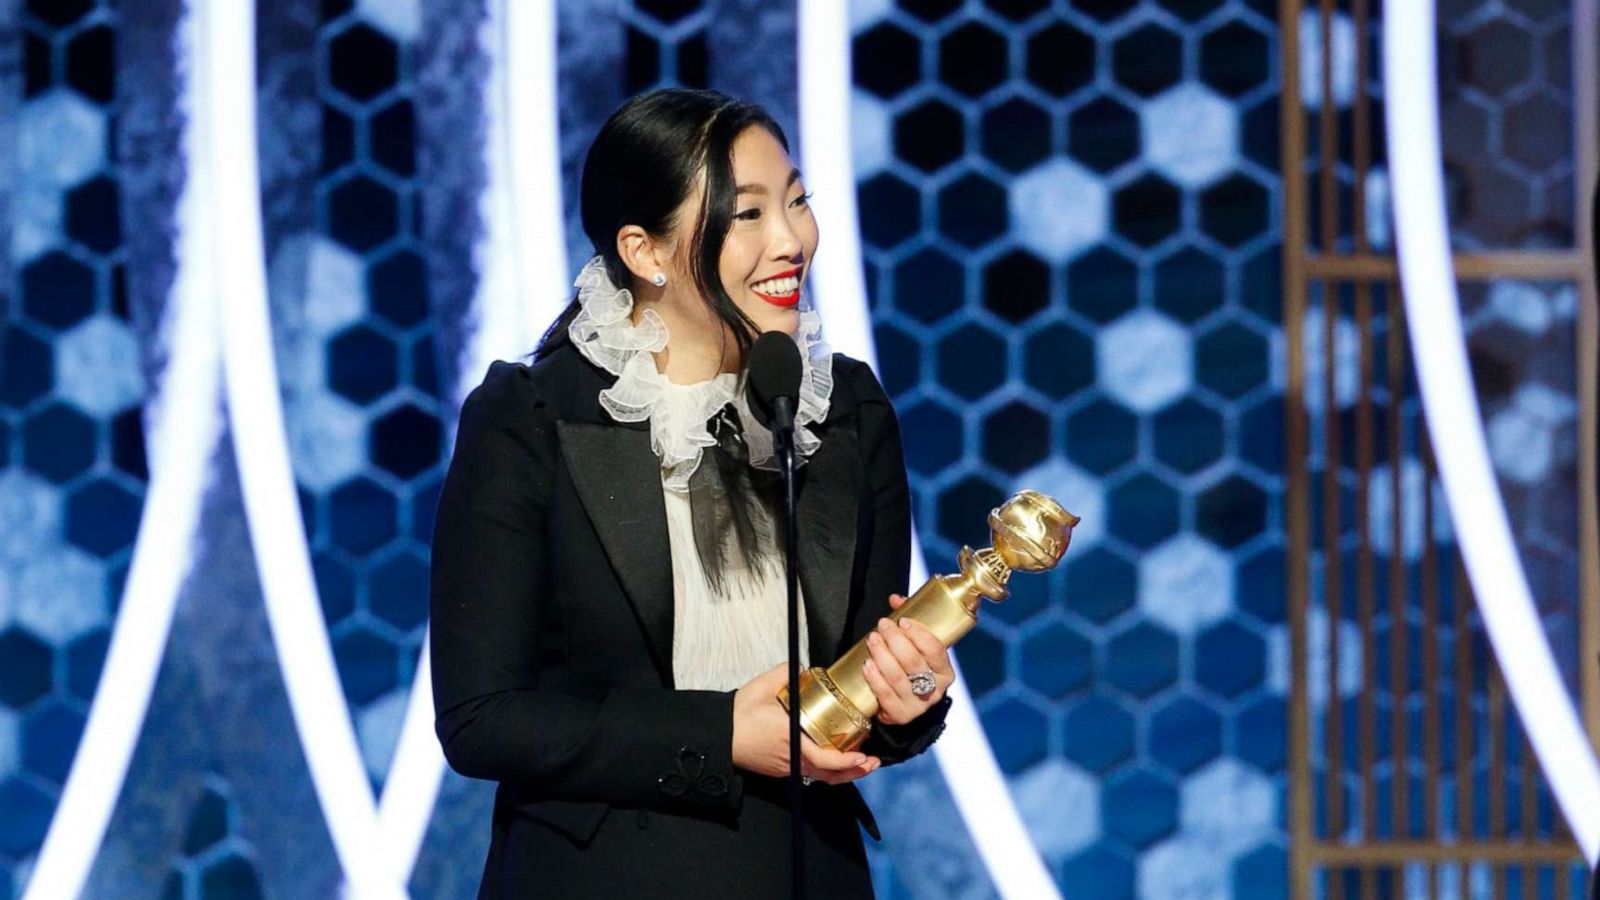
783, 444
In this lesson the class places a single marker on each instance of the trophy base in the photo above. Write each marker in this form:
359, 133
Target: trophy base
826, 715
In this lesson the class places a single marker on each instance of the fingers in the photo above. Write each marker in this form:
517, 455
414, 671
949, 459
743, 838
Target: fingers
889, 681
905, 652
830, 765
898, 650
933, 650
935, 655
827, 759
892, 708
845, 776
894, 655
823, 763
896, 601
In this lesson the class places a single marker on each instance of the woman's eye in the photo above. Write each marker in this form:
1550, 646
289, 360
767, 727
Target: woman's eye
749, 215
802, 200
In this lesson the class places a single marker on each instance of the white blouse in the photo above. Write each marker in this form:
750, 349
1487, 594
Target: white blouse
721, 639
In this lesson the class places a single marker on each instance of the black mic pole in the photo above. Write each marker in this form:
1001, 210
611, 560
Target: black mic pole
783, 443
776, 372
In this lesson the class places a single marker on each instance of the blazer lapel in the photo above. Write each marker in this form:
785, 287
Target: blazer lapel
618, 478
827, 521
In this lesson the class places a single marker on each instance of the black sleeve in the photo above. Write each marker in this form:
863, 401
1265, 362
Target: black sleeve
647, 747
889, 560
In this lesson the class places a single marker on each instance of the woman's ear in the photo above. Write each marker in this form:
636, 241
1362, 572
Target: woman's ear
639, 252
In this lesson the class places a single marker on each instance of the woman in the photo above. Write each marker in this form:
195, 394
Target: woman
608, 596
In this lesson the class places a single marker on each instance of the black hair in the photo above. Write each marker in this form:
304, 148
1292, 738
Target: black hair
642, 165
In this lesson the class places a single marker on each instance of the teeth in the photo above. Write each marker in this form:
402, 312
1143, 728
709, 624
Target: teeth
777, 287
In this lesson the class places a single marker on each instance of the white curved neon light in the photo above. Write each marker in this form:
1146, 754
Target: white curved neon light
1451, 405
225, 76
522, 259
963, 751
415, 774
183, 428
532, 98
523, 279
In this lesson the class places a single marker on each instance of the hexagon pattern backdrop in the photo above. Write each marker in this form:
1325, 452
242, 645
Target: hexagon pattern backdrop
1070, 219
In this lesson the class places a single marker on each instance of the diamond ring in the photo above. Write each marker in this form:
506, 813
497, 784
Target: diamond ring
923, 683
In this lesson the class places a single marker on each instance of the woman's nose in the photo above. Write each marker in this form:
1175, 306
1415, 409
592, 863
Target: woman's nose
786, 243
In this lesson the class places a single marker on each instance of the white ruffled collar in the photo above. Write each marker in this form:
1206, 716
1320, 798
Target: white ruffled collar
603, 331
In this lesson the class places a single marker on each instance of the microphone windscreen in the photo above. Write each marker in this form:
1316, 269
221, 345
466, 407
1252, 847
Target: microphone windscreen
775, 372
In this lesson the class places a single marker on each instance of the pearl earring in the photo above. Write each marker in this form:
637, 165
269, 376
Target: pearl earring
659, 279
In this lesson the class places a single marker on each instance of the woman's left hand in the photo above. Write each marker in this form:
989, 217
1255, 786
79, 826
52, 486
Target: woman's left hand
900, 650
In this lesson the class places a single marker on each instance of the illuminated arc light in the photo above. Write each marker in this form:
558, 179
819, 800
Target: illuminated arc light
963, 751
183, 428
522, 285
225, 77
531, 99
415, 774
1451, 406
521, 260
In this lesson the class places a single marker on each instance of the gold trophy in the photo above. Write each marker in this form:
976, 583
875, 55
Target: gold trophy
1030, 532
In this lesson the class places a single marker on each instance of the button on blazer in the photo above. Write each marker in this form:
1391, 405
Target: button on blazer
552, 623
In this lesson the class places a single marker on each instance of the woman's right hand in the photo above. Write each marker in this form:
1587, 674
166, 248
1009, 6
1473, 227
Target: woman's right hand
761, 736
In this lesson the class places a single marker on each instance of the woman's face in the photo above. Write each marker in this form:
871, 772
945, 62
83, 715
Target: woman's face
773, 235
769, 246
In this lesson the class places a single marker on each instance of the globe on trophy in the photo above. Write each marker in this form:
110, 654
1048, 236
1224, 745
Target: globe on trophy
1030, 532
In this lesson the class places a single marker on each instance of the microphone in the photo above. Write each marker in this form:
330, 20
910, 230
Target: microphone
772, 387
773, 384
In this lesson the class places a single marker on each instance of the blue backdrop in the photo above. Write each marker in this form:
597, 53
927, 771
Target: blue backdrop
1071, 229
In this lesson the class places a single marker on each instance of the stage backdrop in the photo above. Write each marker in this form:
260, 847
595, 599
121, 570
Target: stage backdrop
1070, 224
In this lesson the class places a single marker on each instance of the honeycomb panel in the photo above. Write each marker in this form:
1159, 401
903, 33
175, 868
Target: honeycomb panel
1112, 342
216, 861
72, 472
1521, 337
1067, 295
1506, 85
666, 44
362, 404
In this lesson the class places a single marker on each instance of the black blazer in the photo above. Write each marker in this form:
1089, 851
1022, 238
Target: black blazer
552, 608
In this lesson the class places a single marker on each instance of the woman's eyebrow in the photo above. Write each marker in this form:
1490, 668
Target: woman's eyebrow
794, 175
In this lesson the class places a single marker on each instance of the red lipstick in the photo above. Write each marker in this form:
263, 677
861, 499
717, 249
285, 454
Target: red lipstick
786, 300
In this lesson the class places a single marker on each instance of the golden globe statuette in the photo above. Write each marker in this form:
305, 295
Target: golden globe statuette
1030, 533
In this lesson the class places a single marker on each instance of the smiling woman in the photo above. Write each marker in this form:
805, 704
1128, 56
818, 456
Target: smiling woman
723, 233
608, 597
